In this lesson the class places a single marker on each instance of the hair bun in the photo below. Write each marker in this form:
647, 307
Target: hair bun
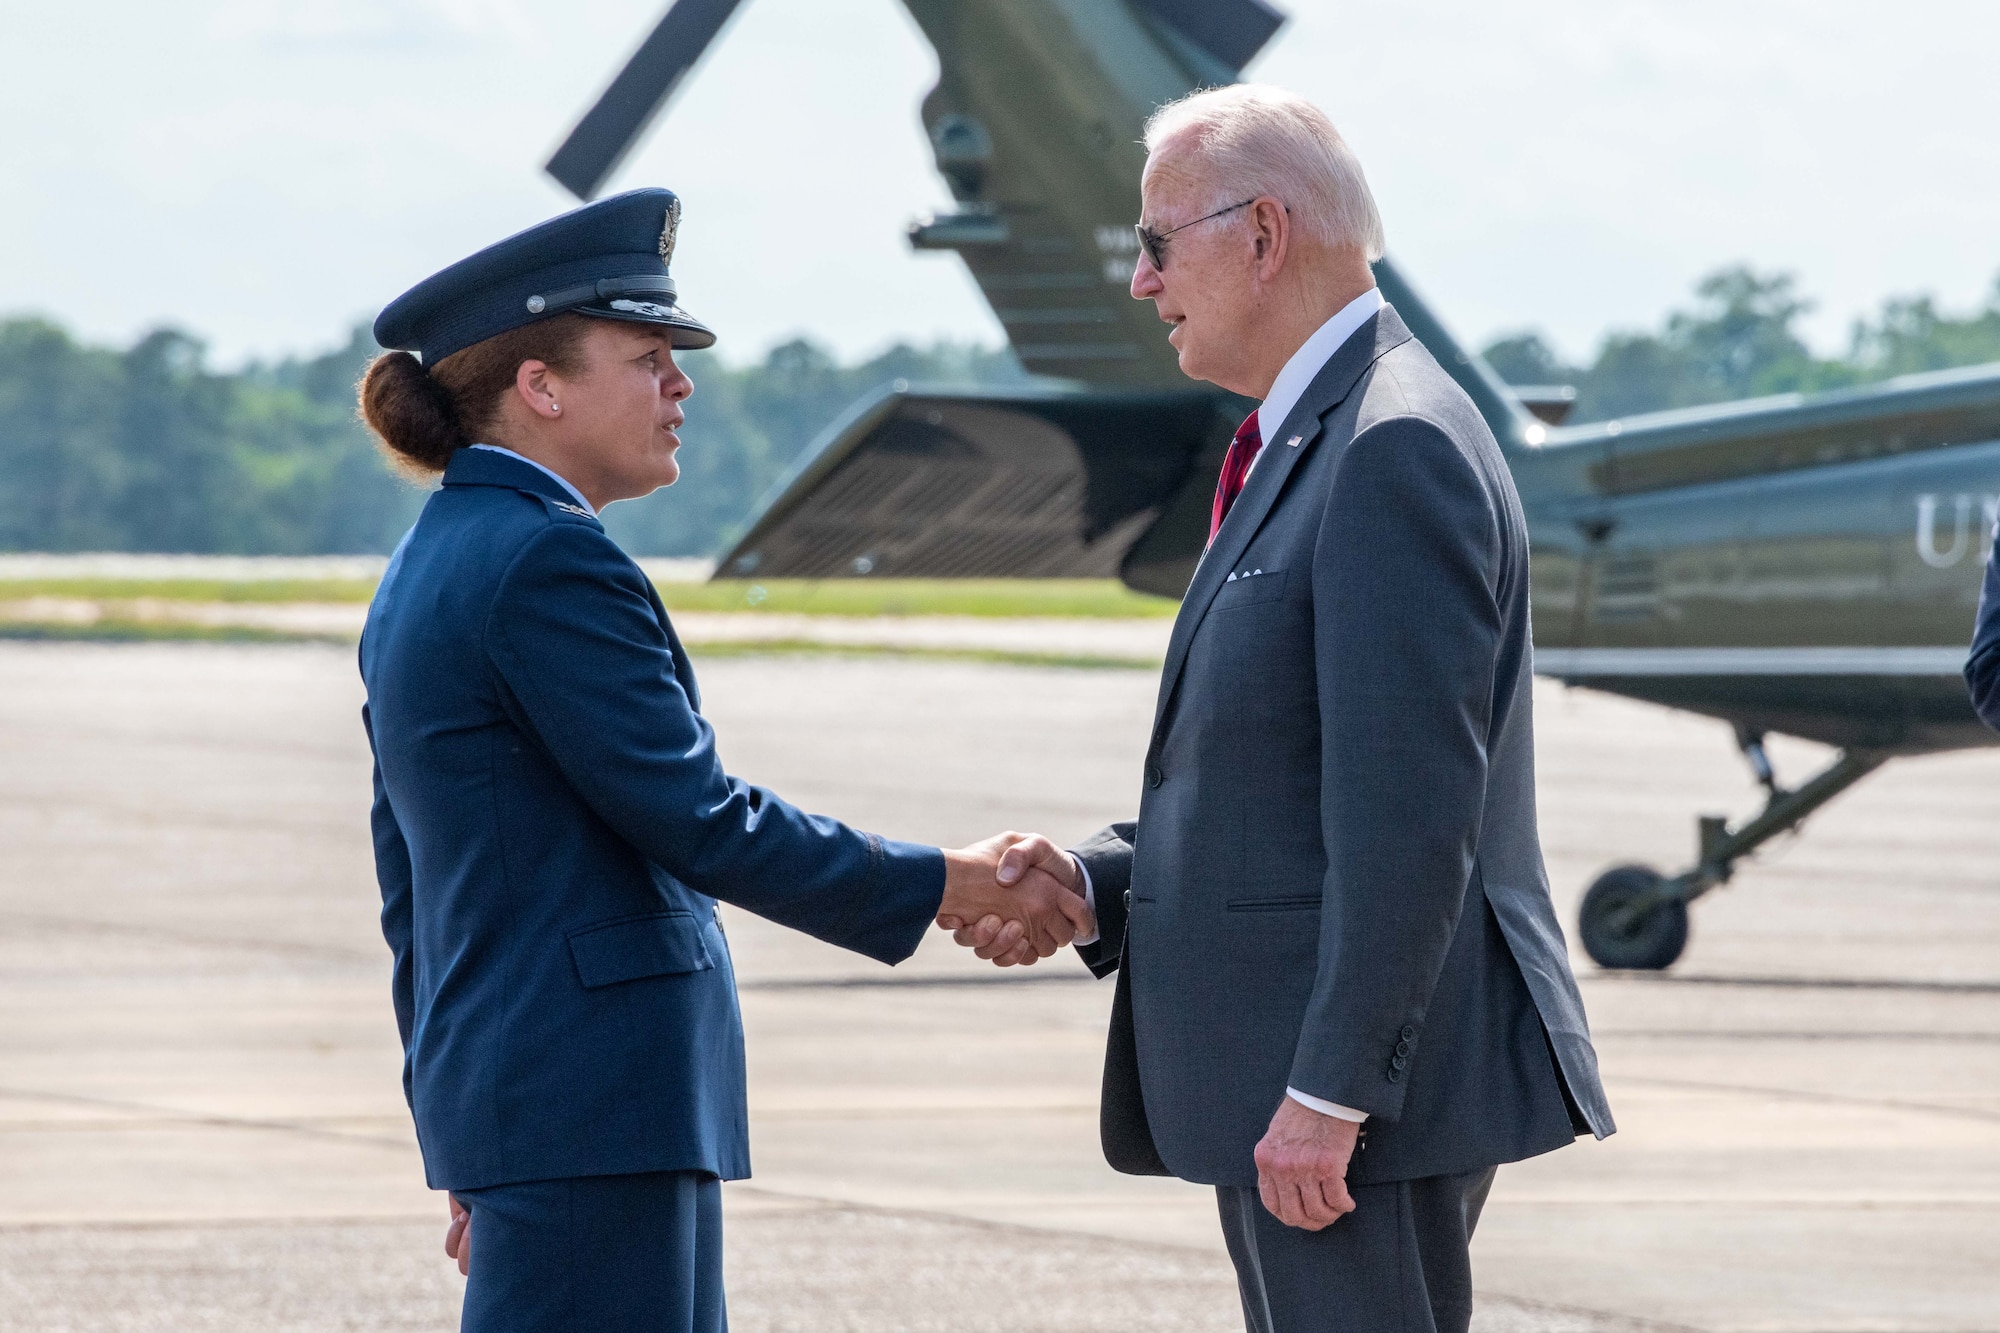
411, 413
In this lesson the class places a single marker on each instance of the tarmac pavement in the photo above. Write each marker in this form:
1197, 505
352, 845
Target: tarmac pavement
201, 1124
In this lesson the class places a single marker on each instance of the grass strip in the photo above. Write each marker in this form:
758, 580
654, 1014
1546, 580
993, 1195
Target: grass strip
191, 590
1060, 598
155, 631
1057, 598
995, 656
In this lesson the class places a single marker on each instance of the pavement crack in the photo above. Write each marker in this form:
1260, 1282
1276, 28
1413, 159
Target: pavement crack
1604, 1319
1807, 1095
208, 1119
1758, 1034
1799, 983
298, 948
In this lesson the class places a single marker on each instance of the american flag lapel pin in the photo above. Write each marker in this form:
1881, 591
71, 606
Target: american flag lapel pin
1294, 441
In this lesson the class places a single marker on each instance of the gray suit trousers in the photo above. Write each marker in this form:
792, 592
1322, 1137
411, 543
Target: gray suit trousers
1398, 1263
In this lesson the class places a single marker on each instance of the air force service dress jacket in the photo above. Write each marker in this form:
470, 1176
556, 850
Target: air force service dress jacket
1335, 882
553, 829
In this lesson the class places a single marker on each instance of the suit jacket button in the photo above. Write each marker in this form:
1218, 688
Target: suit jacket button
1128, 900
1395, 1076
1153, 775
1400, 1062
1402, 1048
1409, 1033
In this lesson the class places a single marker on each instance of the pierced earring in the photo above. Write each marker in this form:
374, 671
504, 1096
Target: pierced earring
555, 407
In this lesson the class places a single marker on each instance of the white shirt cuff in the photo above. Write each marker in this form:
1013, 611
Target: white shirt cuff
1089, 899
1325, 1107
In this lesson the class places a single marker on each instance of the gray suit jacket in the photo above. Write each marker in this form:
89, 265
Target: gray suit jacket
1335, 881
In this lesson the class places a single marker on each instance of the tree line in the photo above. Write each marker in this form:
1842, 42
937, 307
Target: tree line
148, 448
1740, 340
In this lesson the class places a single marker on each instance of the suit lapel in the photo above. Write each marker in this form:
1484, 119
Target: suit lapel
1304, 426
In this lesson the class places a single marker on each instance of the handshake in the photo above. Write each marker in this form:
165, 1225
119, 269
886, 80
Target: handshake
1014, 898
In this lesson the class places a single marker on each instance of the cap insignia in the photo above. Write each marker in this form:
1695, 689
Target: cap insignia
650, 309
667, 233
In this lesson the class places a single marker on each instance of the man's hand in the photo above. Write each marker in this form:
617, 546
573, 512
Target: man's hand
458, 1236
1025, 861
1013, 899
1302, 1166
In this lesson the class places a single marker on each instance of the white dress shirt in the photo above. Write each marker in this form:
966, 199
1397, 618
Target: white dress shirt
1293, 381
1311, 358
560, 479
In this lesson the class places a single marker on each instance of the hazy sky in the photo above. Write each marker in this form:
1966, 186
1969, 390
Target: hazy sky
265, 172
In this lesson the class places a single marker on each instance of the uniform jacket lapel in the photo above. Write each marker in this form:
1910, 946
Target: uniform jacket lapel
1328, 390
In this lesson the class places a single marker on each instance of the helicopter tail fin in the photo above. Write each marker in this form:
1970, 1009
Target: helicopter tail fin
1029, 482
1509, 421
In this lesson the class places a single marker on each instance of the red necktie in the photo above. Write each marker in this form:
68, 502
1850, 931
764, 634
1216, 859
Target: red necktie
1243, 450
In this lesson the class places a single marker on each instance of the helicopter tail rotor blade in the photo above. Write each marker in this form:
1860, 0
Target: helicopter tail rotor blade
609, 129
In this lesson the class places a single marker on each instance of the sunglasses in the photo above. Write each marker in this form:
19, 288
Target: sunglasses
1153, 243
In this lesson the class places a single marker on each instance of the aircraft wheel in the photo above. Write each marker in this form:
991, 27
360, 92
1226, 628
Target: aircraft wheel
1625, 923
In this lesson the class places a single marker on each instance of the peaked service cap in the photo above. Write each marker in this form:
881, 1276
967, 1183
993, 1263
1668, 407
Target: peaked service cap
608, 260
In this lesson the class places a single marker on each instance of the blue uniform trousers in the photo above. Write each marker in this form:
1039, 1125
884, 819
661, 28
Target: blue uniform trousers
1398, 1263
597, 1254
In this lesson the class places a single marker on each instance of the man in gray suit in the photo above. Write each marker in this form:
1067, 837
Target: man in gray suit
1343, 996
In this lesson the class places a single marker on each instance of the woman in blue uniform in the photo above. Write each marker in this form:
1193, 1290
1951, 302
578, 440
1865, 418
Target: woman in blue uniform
553, 827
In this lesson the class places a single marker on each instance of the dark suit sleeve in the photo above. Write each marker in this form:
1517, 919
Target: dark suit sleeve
392, 873
1982, 667
1107, 856
1407, 632
577, 645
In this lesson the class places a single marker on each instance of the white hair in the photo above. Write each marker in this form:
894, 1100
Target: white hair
1253, 139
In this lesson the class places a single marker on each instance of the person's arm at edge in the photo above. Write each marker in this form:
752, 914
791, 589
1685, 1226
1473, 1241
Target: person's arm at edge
1982, 664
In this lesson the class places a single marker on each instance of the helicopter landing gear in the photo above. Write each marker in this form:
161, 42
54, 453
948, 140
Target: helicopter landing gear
1635, 917
1631, 918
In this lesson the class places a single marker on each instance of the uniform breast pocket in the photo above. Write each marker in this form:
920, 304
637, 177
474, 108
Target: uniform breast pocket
1248, 587
658, 944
